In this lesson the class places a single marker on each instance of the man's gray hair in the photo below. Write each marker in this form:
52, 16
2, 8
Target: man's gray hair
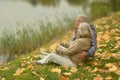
84, 17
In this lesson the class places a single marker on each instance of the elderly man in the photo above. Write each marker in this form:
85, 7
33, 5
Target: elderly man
82, 56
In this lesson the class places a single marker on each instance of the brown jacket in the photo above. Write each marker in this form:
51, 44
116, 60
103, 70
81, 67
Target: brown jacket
74, 48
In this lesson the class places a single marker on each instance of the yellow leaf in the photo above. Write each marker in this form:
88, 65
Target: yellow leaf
117, 72
77, 79
119, 78
98, 78
108, 65
73, 69
54, 46
109, 78
5, 68
19, 71
111, 67
67, 73
30, 67
35, 73
3, 79
41, 78
23, 64
94, 70
57, 70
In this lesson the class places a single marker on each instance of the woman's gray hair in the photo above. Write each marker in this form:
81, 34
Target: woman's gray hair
83, 17
85, 31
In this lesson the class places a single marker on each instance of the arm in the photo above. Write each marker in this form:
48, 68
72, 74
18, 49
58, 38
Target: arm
66, 45
73, 49
92, 49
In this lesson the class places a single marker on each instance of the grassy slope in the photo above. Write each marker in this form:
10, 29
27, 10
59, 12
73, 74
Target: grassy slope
104, 66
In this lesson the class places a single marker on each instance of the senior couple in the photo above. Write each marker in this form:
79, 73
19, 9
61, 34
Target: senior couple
82, 45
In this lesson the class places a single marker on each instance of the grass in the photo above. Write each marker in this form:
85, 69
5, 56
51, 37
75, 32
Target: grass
27, 39
104, 66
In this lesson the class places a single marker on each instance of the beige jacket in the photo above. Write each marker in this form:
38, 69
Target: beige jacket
73, 48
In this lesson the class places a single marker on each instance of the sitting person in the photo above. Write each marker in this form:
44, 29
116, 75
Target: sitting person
91, 51
66, 54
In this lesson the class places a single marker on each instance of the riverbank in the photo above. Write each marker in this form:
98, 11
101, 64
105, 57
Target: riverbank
104, 66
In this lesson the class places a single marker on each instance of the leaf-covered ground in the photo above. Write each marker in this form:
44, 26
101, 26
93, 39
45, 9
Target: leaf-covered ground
105, 65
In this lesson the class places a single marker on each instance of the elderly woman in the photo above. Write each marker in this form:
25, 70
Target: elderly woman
66, 54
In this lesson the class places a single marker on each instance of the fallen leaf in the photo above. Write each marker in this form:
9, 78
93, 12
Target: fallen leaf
63, 78
30, 67
73, 69
117, 72
109, 78
119, 78
23, 64
111, 67
5, 68
19, 71
98, 77
94, 63
67, 73
35, 73
54, 46
57, 70
41, 78
76, 79
3, 79
94, 70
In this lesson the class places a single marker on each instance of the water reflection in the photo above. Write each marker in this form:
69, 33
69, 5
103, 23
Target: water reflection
53, 3
77, 2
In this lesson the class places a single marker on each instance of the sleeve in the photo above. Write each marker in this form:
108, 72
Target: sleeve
75, 48
93, 47
65, 44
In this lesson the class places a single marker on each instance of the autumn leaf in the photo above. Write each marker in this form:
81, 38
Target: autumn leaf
19, 71
73, 69
111, 67
98, 77
54, 46
63, 78
41, 78
57, 70
67, 73
117, 72
77, 79
94, 70
23, 64
30, 67
3, 79
109, 78
36, 74
5, 68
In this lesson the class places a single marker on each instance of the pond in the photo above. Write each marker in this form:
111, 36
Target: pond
27, 11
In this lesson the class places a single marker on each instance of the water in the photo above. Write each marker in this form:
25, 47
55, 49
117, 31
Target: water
26, 11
